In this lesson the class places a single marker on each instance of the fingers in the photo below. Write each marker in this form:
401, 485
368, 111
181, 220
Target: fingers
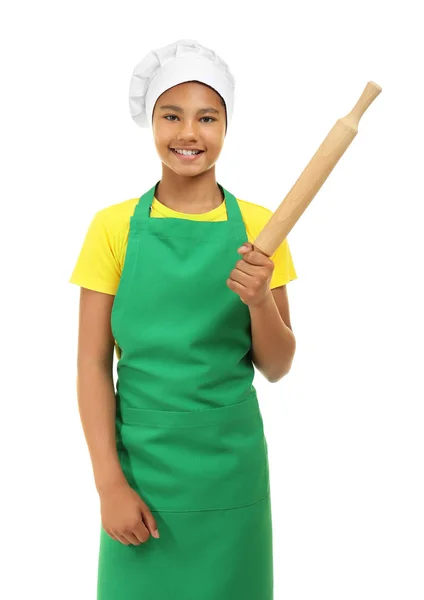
246, 267
122, 539
150, 521
126, 518
256, 258
253, 269
141, 533
240, 277
135, 534
237, 288
138, 536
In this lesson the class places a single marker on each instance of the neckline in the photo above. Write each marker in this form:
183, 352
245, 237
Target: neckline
166, 211
144, 207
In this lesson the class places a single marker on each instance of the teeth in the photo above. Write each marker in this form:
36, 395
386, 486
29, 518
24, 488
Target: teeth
187, 152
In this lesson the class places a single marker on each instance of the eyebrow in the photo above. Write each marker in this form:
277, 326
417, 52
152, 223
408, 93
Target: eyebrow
180, 110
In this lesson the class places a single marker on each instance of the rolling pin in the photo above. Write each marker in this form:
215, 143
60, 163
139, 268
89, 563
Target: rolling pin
316, 172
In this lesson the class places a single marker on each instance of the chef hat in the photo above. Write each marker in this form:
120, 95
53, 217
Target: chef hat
161, 69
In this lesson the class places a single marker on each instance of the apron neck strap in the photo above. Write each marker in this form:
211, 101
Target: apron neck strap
143, 207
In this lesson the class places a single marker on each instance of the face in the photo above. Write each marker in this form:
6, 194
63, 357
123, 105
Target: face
189, 115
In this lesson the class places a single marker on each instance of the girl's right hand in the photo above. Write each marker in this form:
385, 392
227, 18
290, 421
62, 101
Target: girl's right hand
125, 517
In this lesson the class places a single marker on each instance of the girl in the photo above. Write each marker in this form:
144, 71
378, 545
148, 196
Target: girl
178, 449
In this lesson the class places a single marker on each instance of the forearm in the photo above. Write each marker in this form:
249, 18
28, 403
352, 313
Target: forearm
273, 342
97, 408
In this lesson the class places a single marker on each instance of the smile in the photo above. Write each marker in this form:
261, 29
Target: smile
188, 156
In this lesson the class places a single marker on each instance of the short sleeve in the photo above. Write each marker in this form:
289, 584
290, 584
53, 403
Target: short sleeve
284, 270
97, 267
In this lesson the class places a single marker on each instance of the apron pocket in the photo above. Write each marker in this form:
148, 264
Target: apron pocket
200, 460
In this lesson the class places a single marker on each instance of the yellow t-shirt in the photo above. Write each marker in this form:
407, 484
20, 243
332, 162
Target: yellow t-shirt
100, 262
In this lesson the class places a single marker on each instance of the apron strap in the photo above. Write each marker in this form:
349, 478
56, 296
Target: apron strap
143, 206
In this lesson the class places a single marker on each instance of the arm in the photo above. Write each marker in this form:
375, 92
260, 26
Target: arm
125, 516
95, 388
273, 341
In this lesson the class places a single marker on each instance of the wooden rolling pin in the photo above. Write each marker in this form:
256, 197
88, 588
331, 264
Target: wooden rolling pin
314, 175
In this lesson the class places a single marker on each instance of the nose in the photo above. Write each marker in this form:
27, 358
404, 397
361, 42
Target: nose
187, 129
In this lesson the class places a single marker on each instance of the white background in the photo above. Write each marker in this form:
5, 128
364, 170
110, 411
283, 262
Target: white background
345, 427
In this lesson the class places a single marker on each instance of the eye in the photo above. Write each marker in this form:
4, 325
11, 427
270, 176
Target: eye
211, 119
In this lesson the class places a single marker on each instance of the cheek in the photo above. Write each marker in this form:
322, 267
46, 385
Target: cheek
162, 142
214, 142
220, 138
160, 132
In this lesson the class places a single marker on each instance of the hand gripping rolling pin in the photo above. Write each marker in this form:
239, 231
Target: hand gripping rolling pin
314, 175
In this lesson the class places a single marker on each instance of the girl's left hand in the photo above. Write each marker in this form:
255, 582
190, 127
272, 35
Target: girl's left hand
252, 275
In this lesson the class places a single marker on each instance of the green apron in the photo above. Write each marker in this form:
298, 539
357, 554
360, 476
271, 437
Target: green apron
189, 430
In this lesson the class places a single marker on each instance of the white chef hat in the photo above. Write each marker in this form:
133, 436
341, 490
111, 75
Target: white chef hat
161, 69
